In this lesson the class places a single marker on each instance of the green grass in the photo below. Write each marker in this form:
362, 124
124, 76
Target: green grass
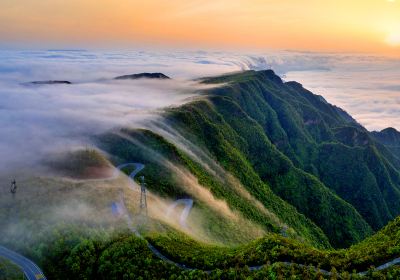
9, 271
80, 164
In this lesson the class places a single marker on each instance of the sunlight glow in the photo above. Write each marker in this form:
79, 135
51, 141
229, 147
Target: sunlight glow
393, 35
393, 39
329, 25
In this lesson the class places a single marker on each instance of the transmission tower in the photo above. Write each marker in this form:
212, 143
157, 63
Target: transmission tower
13, 188
143, 199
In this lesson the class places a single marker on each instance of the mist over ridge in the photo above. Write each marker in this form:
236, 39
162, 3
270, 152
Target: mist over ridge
95, 103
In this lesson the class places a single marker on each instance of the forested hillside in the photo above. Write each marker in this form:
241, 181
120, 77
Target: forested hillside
281, 141
319, 139
78, 255
277, 176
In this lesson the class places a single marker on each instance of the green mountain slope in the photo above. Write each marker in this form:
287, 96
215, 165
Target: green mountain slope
373, 251
278, 177
75, 254
162, 180
281, 141
320, 139
237, 142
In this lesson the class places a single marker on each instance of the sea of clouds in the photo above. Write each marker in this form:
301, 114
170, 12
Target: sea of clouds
34, 120
367, 87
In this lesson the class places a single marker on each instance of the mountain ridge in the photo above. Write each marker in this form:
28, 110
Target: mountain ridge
143, 75
283, 134
314, 120
281, 182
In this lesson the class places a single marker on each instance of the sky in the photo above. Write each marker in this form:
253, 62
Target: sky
326, 45
371, 26
348, 51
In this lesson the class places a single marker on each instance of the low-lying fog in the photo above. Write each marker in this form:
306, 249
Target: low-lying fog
36, 119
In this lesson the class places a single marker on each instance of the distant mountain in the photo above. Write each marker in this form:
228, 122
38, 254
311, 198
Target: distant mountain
143, 76
389, 137
50, 82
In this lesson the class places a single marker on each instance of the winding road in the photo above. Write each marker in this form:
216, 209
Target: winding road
186, 211
184, 215
30, 269
138, 168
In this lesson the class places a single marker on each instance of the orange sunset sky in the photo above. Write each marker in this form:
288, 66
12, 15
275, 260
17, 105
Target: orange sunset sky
317, 25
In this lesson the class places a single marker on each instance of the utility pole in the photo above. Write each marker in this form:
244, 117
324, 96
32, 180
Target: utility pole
143, 199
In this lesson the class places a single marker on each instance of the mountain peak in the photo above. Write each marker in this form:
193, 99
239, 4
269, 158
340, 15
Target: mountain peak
160, 76
390, 130
49, 82
294, 84
270, 75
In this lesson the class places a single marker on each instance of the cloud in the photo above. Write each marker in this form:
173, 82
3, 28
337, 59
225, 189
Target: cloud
367, 87
36, 120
